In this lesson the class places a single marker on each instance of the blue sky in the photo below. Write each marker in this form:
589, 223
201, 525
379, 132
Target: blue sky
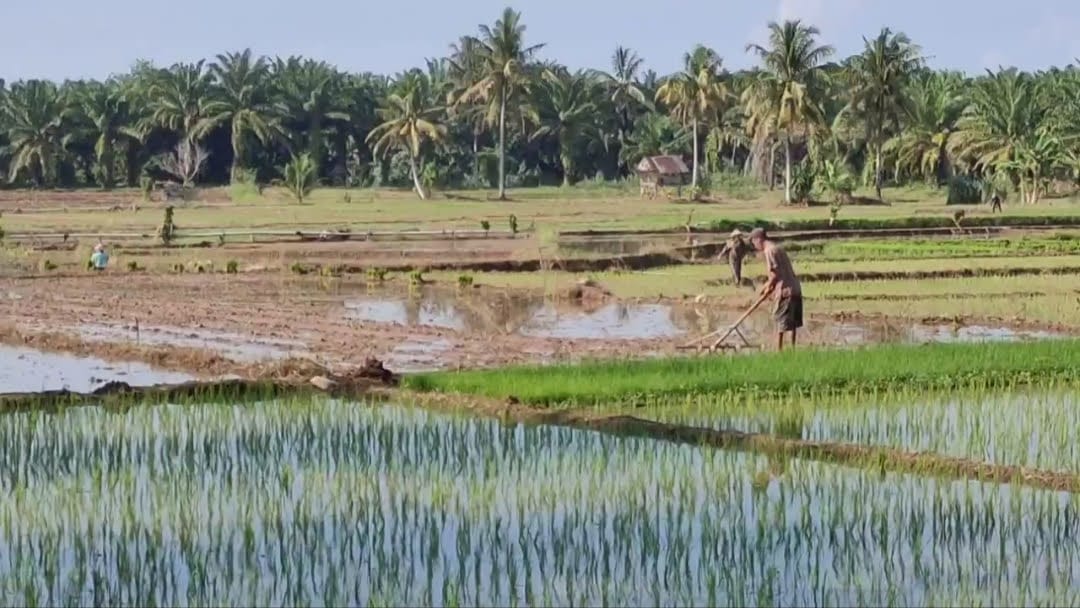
60, 39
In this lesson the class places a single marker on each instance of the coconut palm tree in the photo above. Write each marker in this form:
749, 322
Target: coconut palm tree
466, 69
879, 79
785, 98
506, 76
624, 89
241, 98
35, 113
695, 95
565, 110
409, 119
654, 134
937, 101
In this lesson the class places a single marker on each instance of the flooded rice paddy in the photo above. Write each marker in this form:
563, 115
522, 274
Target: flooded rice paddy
334, 503
25, 370
538, 317
1035, 429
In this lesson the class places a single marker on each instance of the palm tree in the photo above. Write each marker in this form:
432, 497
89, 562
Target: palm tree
1006, 127
566, 110
786, 95
409, 119
696, 94
178, 100
879, 79
242, 99
624, 89
101, 113
653, 135
504, 57
311, 91
35, 113
922, 147
466, 69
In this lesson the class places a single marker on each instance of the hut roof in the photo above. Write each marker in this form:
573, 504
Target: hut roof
664, 165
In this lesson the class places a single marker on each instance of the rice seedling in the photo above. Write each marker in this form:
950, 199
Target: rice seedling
320, 502
232, 267
801, 372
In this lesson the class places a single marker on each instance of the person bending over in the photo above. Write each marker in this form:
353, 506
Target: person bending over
783, 284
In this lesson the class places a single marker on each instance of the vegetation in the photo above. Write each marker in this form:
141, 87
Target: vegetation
494, 113
805, 371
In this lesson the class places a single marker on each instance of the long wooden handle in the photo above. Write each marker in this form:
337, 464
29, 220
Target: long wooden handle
731, 327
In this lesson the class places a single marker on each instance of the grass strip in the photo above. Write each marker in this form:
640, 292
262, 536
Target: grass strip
803, 371
927, 221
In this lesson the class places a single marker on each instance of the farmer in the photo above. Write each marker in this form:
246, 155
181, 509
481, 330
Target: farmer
100, 258
995, 203
735, 249
782, 282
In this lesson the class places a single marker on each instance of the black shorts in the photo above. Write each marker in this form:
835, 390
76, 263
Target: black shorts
788, 313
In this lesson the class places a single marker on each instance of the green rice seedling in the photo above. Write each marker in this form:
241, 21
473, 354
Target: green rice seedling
465, 281
485, 226
232, 267
416, 278
321, 501
376, 275
513, 222
803, 371
298, 268
133, 266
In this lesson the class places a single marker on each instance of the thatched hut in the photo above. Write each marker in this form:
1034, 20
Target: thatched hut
657, 171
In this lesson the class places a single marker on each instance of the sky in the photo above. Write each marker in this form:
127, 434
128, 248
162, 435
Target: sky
79, 39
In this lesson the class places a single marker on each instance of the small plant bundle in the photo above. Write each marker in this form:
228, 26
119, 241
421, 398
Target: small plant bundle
298, 268
416, 278
300, 176
48, 266
167, 231
376, 275
178, 268
465, 281
133, 266
513, 224
232, 267
485, 226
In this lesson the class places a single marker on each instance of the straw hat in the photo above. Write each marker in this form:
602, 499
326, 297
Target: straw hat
736, 233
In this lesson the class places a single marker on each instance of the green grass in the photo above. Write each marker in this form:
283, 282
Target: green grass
592, 207
806, 371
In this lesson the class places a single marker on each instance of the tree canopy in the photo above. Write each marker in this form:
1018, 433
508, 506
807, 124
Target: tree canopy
496, 113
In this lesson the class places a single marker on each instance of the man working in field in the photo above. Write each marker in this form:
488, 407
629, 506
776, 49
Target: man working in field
100, 258
735, 249
782, 282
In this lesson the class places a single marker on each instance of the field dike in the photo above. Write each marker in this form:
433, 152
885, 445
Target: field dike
374, 384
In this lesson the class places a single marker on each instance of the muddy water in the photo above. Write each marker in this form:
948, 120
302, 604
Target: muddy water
234, 346
24, 370
540, 318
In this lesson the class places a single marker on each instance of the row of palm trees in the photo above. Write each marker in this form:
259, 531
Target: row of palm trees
493, 113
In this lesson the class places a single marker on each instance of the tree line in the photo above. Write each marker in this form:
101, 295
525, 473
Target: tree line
494, 113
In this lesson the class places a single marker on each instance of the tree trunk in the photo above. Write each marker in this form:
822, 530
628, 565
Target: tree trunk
787, 169
502, 144
877, 172
476, 156
733, 149
694, 173
132, 161
416, 178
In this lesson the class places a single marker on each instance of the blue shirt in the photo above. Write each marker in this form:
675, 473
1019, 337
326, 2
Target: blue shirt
99, 259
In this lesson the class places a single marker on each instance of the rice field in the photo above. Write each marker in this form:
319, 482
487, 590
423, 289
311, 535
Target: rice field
1028, 428
321, 502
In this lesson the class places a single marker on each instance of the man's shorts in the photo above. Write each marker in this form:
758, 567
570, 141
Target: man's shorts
788, 313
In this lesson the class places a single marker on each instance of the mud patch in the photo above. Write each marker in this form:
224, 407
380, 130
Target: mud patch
24, 370
418, 355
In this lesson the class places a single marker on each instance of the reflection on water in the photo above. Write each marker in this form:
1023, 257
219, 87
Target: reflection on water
24, 370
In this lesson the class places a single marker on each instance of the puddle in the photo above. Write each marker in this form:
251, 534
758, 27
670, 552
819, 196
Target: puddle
428, 312
977, 333
539, 318
612, 321
245, 349
417, 355
25, 370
